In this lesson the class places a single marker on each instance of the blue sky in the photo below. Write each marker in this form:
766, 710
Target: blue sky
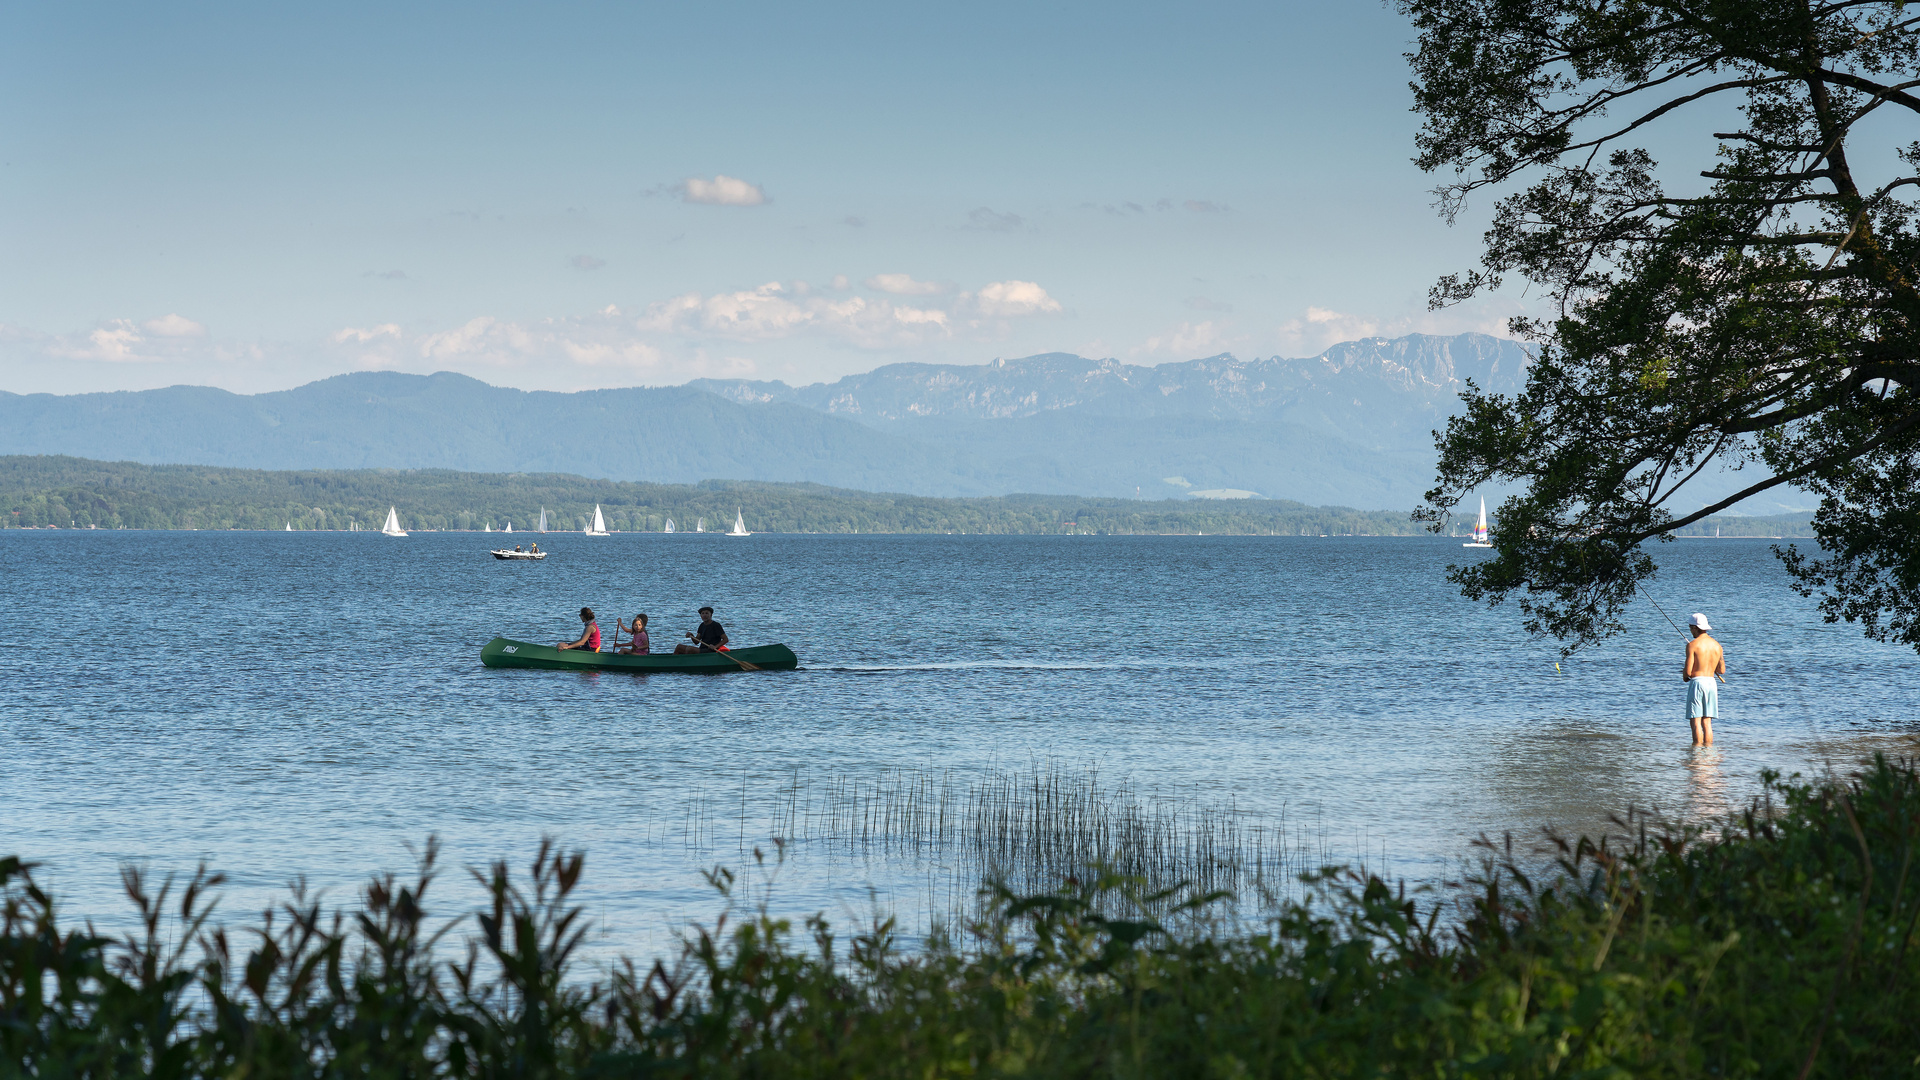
564, 196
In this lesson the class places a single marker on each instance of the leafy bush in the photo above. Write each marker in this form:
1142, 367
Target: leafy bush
1779, 945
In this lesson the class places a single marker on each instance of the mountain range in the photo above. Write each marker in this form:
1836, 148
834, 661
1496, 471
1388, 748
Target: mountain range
1350, 426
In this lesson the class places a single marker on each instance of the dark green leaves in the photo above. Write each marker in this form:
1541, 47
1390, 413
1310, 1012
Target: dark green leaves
1749, 305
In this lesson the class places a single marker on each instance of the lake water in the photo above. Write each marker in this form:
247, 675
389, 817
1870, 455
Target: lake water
312, 703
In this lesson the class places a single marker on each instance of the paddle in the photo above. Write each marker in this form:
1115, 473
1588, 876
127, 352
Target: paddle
730, 656
1675, 625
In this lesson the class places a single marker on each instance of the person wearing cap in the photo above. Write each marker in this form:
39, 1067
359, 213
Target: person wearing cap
1705, 661
710, 637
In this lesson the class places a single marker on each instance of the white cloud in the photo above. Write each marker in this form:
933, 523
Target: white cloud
114, 342
659, 338
629, 354
1011, 299
1205, 206
1321, 328
122, 341
604, 342
722, 190
482, 336
1191, 340
780, 329
174, 326
586, 262
905, 285
773, 311
364, 335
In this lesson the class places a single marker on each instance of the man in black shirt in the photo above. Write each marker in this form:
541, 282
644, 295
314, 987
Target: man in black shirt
710, 637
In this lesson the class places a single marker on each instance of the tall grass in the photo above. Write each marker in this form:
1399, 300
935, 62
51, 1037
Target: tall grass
1783, 944
1032, 828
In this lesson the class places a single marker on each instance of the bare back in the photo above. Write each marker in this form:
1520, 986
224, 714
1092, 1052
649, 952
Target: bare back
1704, 657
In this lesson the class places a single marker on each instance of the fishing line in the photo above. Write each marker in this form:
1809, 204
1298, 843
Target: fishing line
1670, 622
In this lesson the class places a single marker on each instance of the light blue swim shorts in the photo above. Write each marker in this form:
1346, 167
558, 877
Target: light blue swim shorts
1703, 697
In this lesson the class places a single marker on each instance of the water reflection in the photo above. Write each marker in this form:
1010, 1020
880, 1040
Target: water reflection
1709, 791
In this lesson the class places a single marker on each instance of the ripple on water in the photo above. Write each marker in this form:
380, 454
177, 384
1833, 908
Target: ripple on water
286, 704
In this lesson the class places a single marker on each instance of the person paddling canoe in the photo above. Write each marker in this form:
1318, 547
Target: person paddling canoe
710, 637
639, 646
1705, 661
589, 636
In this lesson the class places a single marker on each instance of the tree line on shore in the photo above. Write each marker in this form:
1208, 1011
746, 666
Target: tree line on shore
66, 492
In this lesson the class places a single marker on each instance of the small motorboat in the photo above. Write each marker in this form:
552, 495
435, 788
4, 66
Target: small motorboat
534, 556
508, 653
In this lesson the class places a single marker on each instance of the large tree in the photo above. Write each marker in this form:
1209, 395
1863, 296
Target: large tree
1748, 300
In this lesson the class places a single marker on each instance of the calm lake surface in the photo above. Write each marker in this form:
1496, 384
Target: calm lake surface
312, 703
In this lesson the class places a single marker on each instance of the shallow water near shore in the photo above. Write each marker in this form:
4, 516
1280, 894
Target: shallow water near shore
312, 703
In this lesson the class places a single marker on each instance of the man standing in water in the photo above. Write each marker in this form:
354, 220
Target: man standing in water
1705, 661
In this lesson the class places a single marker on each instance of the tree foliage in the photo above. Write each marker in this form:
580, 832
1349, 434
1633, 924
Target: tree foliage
1749, 303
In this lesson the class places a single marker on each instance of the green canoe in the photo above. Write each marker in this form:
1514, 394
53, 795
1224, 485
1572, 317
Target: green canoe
505, 652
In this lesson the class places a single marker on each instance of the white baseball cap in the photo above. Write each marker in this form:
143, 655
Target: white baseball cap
1700, 621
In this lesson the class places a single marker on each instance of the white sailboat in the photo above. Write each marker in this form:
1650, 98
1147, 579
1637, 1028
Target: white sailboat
543, 519
487, 527
509, 526
392, 527
739, 525
1480, 529
669, 525
289, 526
599, 526
700, 526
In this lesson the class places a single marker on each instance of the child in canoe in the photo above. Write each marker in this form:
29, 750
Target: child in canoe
589, 637
640, 645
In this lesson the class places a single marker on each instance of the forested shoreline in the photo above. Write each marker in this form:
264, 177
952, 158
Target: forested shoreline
68, 492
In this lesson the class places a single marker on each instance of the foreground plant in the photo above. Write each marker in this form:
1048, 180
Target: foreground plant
1781, 945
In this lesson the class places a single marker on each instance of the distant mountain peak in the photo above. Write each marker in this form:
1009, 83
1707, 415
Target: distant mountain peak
1419, 371
1350, 425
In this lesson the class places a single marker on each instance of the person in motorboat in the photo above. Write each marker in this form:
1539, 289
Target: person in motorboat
640, 645
589, 637
516, 547
710, 637
535, 548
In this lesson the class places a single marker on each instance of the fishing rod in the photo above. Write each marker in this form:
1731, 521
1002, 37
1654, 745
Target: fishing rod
1670, 622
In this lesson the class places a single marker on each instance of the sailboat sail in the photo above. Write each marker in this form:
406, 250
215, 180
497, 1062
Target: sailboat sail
289, 526
1480, 528
543, 519
487, 527
700, 525
739, 525
509, 526
392, 527
669, 524
599, 526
